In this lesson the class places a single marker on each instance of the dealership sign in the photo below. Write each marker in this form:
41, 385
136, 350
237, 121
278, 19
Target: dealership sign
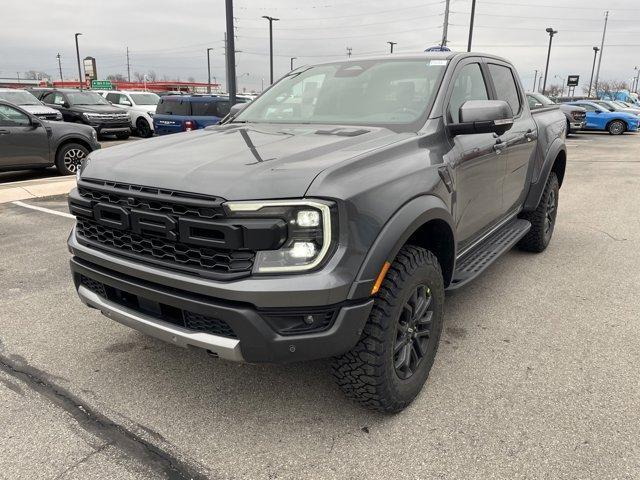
573, 80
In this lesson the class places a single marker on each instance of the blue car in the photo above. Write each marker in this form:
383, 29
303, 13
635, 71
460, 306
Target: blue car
183, 113
599, 118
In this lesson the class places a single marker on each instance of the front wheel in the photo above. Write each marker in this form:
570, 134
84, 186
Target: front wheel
143, 128
387, 368
69, 158
617, 127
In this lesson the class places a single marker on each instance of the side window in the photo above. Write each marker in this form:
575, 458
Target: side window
588, 107
113, 97
506, 88
533, 102
48, 98
468, 85
57, 99
10, 117
223, 109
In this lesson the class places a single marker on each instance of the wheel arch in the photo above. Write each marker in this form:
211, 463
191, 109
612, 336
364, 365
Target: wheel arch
68, 140
425, 222
555, 161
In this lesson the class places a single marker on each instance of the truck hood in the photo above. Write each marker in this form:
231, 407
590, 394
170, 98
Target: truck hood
97, 109
39, 109
237, 162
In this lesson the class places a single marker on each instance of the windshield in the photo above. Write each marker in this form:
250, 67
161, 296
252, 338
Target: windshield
20, 98
144, 98
86, 98
394, 93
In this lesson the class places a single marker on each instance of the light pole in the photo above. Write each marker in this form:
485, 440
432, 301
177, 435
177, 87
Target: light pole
60, 67
637, 77
540, 83
292, 59
604, 33
78, 57
391, 44
551, 33
473, 14
209, 70
593, 69
535, 79
230, 49
271, 20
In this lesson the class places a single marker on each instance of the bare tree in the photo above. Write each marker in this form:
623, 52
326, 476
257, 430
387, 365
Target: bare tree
152, 76
35, 75
191, 79
118, 77
554, 90
138, 77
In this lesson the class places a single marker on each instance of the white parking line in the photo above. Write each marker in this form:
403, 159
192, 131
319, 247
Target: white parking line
45, 210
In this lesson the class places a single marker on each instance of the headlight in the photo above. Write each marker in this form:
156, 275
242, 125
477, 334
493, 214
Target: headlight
310, 233
94, 135
58, 116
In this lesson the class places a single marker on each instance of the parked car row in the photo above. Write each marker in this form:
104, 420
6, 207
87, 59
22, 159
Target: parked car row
611, 116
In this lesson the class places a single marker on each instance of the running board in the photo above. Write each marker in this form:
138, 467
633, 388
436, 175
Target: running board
488, 251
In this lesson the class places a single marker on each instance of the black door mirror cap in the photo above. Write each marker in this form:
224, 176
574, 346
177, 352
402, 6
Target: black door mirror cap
483, 116
236, 109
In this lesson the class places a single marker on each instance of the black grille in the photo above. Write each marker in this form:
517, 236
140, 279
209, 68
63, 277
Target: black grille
209, 261
168, 253
203, 323
176, 316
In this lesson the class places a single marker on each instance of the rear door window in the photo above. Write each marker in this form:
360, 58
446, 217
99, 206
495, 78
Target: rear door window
506, 88
174, 107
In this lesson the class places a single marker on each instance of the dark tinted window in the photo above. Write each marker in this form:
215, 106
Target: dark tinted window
173, 106
505, 84
468, 85
204, 109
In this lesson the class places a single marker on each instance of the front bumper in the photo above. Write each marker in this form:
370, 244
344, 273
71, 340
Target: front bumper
254, 340
575, 126
107, 129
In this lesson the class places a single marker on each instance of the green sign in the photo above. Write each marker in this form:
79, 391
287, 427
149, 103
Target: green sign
101, 85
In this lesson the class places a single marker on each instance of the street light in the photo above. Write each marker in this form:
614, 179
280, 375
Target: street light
271, 20
595, 55
637, 77
209, 70
78, 57
551, 33
391, 44
292, 59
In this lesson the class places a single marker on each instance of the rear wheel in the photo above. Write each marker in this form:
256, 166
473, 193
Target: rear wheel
143, 128
543, 218
69, 158
390, 363
617, 127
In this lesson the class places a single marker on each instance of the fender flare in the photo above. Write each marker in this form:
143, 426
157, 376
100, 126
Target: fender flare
537, 186
395, 233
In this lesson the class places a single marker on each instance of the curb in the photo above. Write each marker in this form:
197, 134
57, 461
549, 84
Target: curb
35, 190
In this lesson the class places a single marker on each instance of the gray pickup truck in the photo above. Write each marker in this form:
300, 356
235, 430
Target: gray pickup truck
324, 219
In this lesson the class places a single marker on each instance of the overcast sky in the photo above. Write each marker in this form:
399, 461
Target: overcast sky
171, 37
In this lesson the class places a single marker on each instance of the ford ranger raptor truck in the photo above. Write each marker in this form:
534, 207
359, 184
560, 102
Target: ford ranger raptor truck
324, 219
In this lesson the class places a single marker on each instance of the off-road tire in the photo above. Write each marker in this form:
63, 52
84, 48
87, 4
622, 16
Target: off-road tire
143, 129
617, 127
538, 238
123, 135
367, 373
69, 157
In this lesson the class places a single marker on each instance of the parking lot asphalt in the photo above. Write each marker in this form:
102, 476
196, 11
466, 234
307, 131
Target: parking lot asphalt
536, 376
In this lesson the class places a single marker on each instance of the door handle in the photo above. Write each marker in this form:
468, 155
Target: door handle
499, 146
4, 132
530, 135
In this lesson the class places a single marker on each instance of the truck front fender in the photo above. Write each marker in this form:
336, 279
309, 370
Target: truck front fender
401, 226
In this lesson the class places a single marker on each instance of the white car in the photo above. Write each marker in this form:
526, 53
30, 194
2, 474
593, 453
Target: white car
27, 101
141, 107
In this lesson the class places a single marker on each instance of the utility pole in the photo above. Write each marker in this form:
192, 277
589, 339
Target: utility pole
59, 67
445, 26
473, 16
128, 67
292, 59
635, 86
535, 78
595, 54
231, 53
391, 44
349, 52
78, 57
271, 20
209, 70
551, 33
604, 32
539, 83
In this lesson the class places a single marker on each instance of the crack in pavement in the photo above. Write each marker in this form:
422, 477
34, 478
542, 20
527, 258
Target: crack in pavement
90, 420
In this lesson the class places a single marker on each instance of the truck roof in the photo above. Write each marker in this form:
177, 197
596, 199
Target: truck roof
419, 55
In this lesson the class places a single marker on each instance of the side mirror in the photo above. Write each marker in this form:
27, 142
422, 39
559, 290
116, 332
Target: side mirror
598, 112
236, 109
35, 123
483, 116
65, 105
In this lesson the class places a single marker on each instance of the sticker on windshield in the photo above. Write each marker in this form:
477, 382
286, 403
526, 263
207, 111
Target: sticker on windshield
437, 63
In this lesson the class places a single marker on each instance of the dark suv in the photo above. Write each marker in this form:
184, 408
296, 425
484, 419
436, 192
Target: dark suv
83, 106
327, 218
